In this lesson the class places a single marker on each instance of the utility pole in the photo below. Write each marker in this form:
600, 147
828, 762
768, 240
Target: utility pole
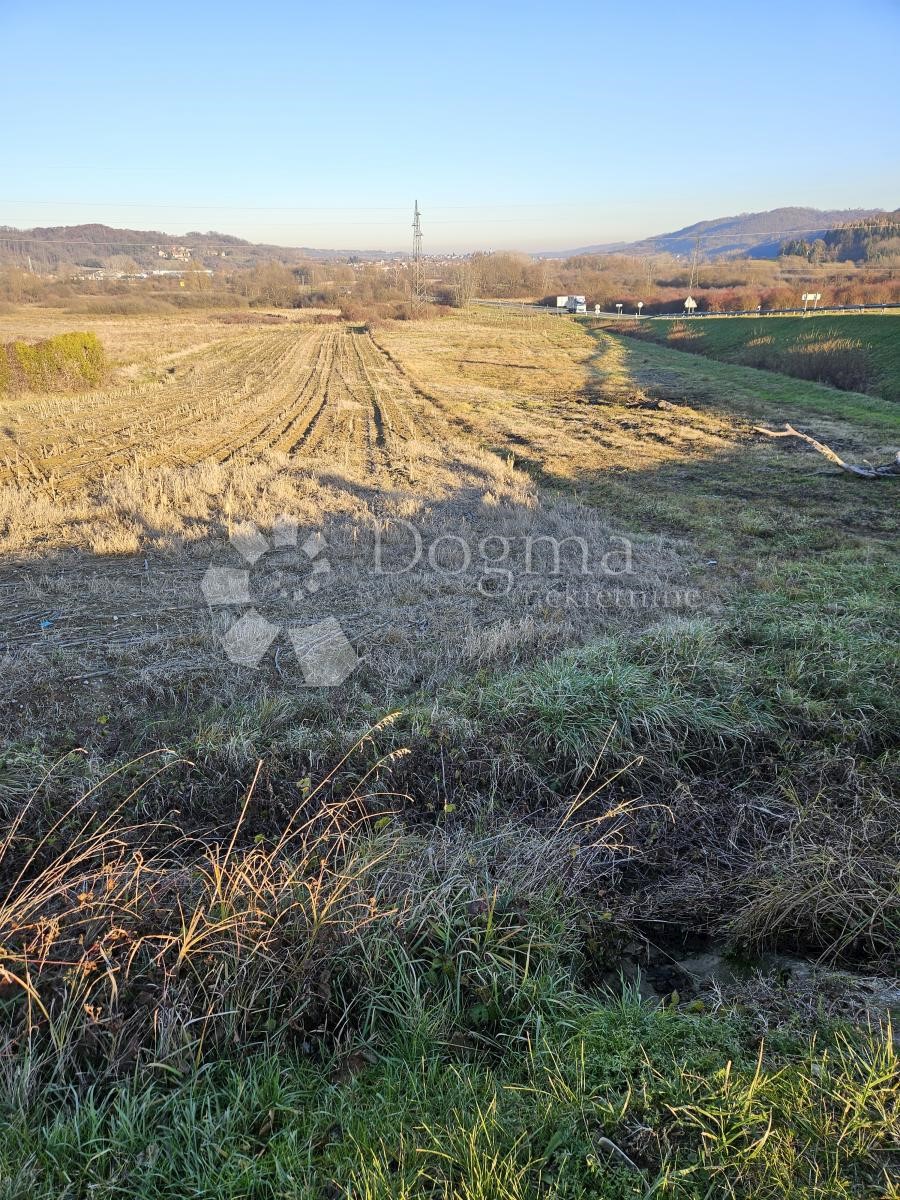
695, 263
419, 290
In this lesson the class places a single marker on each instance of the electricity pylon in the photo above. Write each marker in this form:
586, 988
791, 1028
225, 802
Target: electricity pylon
419, 290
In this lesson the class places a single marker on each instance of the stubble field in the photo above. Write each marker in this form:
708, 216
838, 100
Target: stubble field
620, 706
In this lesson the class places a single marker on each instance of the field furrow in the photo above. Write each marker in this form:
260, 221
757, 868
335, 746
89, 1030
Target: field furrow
160, 421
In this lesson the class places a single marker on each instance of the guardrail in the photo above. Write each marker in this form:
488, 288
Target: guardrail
832, 309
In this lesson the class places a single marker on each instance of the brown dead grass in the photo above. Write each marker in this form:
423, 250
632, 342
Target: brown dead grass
113, 507
479, 426
535, 387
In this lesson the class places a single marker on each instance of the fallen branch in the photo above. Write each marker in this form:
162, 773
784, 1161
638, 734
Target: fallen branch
865, 472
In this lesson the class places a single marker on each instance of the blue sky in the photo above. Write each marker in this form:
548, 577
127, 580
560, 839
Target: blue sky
531, 125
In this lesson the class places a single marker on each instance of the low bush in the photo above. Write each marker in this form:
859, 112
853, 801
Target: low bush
249, 318
67, 362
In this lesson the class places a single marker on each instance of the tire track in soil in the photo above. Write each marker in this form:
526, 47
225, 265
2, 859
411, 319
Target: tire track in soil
367, 428
436, 414
308, 430
334, 421
364, 382
310, 399
277, 434
384, 381
256, 428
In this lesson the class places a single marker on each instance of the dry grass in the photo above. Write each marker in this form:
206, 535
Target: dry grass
132, 940
536, 388
479, 426
144, 339
126, 943
315, 421
568, 784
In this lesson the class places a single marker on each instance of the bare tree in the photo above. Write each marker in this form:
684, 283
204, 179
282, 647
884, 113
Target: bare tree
464, 283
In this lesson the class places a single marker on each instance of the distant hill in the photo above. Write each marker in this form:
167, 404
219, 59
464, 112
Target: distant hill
759, 235
871, 240
96, 245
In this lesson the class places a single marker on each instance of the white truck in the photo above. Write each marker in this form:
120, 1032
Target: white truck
576, 304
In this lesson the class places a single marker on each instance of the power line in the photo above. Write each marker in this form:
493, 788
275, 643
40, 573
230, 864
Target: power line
11, 233
473, 208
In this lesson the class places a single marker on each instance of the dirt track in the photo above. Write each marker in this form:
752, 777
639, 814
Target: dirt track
323, 389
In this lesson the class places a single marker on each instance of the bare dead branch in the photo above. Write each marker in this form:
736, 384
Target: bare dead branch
864, 471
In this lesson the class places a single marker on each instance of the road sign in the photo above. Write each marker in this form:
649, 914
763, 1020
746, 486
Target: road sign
690, 304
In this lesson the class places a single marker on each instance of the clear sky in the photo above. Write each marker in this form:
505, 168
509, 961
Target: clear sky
534, 125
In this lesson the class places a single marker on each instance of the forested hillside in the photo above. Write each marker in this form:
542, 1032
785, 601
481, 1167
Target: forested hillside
871, 240
51, 247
